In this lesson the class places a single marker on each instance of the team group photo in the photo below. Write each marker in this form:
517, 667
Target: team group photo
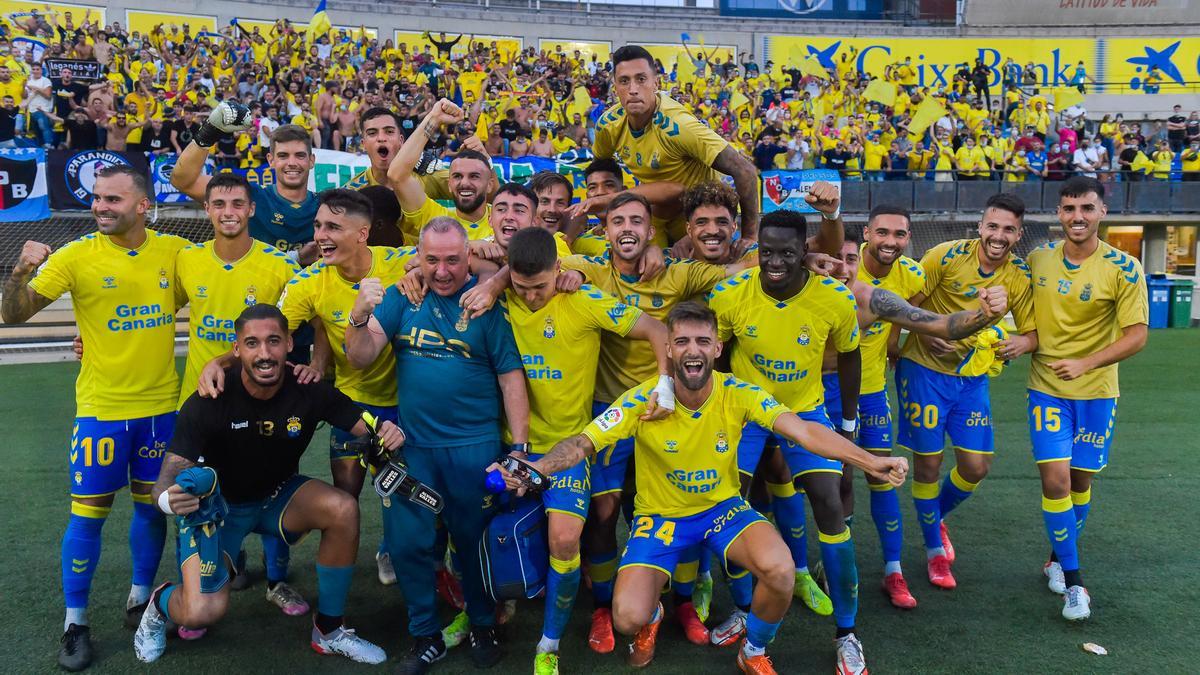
690, 336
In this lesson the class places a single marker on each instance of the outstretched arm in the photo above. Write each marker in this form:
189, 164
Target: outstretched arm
821, 440
886, 305
409, 191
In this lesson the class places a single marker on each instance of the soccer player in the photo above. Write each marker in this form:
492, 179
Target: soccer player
936, 401
623, 364
658, 140
460, 369
252, 436
1091, 312
558, 335
471, 177
121, 280
782, 317
688, 486
603, 179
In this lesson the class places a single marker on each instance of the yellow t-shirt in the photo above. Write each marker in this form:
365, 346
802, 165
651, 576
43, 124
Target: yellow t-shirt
1079, 310
590, 244
624, 363
686, 463
217, 292
560, 346
124, 302
873, 155
952, 282
415, 220
905, 279
780, 344
674, 146
321, 291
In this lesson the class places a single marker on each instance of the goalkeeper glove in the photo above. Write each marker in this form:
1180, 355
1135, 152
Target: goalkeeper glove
228, 118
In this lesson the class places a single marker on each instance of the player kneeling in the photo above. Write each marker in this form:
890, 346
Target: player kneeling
688, 488
233, 469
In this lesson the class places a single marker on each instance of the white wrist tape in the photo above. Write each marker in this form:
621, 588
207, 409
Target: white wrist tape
666, 392
164, 503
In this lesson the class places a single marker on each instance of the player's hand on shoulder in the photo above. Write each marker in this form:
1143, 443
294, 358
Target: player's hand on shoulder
305, 374
212, 380
652, 264
822, 264
993, 300
662, 400
181, 502
33, 254
412, 285
488, 250
391, 436
370, 294
683, 248
738, 248
478, 300
568, 281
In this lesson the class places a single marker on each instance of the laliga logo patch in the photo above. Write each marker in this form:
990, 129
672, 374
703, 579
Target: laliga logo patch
609, 419
80, 172
293, 427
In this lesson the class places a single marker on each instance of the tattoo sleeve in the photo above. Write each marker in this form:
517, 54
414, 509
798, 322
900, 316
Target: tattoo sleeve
891, 307
745, 180
171, 466
566, 454
20, 301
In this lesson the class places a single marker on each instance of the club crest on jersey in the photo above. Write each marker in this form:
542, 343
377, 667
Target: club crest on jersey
464, 320
722, 442
79, 478
656, 300
548, 329
251, 296
163, 281
1086, 293
654, 163
803, 339
293, 427
201, 292
609, 419
109, 282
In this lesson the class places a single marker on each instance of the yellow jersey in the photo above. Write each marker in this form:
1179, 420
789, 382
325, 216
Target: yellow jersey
952, 283
905, 279
780, 343
674, 146
686, 463
321, 291
624, 363
124, 302
1081, 309
415, 220
590, 244
560, 345
217, 292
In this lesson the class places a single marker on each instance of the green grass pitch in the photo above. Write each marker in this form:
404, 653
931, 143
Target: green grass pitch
1139, 553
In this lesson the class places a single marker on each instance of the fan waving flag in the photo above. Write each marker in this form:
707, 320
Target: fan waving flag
320, 23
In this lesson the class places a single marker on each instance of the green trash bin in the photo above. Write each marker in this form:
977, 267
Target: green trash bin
1181, 303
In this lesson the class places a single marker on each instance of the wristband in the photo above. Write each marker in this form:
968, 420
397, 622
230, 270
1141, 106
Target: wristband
357, 324
849, 426
837, 213
526, 448
164, 503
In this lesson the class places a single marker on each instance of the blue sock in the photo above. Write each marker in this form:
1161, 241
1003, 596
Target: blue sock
789, 518
1060, 527
759, 633
602, 568
147, 535
277, 555
885, 511
837, 552
81, 551
562, 585
742, 590
333, 584
705, 567
955, 490
1082, 505
929, 512
163, 600
683, 579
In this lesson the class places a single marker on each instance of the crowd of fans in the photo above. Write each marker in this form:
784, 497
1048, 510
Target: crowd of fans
156, 89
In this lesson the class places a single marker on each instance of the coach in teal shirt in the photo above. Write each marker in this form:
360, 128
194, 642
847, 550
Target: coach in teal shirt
455, 375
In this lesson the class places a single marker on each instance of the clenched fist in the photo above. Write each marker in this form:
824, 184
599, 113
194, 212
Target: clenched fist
824, 197
993, 300
370, 294
445, 111
33, 254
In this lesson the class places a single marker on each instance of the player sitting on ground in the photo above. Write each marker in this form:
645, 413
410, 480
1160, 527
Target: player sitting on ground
686, 469
252, 436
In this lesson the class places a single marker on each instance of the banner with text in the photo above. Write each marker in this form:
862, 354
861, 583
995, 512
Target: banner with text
785, 190
332, 169
71, 174
80, 69
23, 185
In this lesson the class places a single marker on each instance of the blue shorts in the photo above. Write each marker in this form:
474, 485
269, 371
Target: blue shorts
263, 517
799, 460
571, 490
658, 542
1067, 429
874, 414
609, 464
338, 438
106, 456
934, 405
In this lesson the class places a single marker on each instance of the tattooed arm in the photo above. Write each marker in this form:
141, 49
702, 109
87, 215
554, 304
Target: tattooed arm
745, 181
882, 304
181, 502
565, 454
20, 301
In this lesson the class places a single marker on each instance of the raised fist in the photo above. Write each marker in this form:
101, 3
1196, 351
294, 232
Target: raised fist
33, 254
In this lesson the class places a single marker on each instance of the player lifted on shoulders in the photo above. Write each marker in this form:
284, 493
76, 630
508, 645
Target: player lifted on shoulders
121, 281
688, 491
1091, 313
233, 469
935, 399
